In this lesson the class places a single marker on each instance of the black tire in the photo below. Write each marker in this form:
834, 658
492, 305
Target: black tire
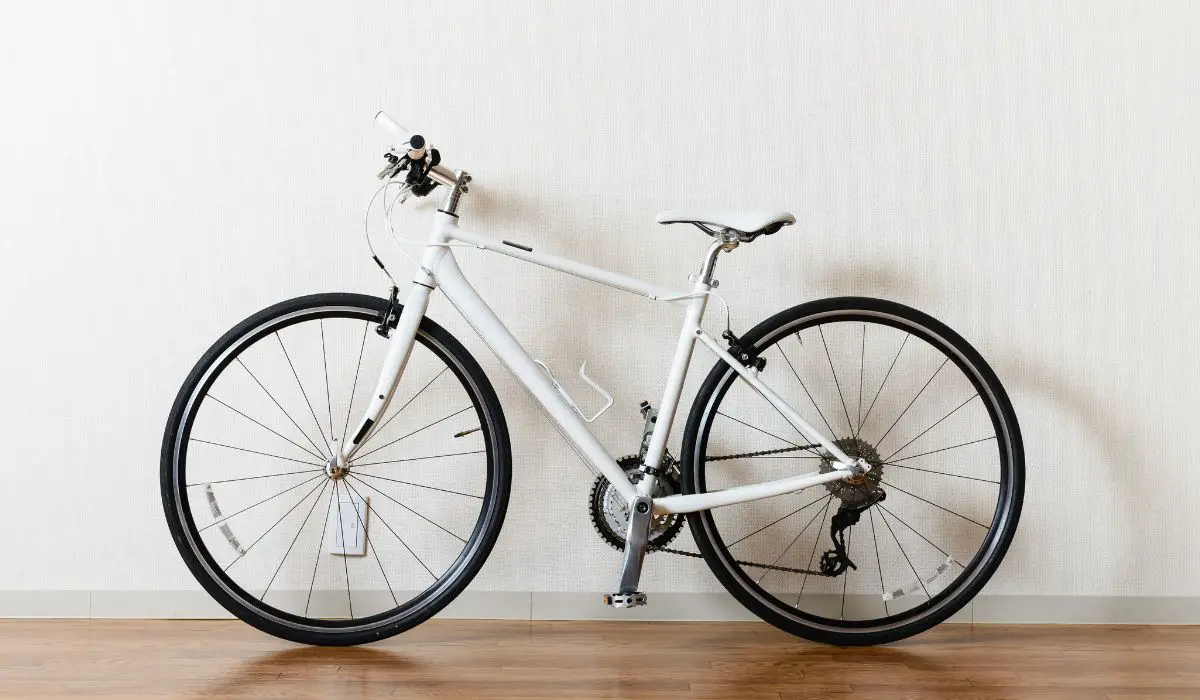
888, 627
299, 628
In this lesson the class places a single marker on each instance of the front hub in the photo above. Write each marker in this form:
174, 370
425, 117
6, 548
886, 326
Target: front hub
335, 471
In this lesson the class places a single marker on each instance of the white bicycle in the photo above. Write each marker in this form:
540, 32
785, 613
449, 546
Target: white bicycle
851, 469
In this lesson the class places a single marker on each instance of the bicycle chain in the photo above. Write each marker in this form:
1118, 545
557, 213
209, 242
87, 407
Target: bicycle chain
760, 454
756, 565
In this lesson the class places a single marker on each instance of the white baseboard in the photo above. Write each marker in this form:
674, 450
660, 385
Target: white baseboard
547, 605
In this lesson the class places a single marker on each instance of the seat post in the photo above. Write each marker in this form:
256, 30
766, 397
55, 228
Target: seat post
725, 243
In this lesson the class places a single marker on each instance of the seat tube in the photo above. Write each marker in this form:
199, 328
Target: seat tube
674, 388
679, 364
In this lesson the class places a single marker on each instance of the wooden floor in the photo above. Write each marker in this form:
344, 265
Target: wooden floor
478, 659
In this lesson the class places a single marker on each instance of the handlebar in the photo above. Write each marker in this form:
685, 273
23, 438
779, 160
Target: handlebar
401, 139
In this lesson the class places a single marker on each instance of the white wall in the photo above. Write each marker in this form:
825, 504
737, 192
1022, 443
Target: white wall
1024, 171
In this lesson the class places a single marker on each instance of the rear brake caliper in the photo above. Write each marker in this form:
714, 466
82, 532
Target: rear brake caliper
746, 356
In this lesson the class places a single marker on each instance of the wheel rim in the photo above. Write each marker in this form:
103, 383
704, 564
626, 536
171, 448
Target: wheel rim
419, 537
884, 423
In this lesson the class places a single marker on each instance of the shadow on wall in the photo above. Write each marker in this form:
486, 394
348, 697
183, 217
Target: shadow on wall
1070, 404
1060, 475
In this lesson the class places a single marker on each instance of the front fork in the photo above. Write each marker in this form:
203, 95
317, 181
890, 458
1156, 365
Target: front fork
399, 350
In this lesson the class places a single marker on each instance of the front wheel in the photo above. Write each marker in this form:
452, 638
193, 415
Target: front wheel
306, 551
870, 559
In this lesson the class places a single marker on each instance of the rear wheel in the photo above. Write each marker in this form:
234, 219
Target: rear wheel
317, 555
870, 559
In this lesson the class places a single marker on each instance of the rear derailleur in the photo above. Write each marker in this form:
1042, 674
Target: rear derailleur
835, 561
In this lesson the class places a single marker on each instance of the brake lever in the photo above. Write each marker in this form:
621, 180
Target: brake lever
396, 165
418, 175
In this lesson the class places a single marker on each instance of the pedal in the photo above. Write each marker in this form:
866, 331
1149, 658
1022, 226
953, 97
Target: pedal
625, 600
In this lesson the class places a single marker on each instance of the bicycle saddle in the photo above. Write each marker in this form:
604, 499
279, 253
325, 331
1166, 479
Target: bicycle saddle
747, 223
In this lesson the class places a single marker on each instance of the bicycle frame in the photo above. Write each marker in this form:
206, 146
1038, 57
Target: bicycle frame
439, 270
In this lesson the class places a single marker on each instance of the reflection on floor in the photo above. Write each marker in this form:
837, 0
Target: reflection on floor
492, 659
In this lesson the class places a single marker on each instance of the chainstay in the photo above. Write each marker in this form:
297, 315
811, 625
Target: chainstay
762, 453
772, 567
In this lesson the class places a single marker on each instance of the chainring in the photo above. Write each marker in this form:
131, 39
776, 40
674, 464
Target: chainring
610, 513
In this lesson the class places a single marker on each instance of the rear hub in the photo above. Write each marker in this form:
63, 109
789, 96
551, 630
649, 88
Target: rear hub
856, 491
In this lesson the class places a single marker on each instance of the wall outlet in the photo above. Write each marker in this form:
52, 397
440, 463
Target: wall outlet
346, 531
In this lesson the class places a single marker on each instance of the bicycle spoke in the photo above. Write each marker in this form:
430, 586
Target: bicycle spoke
243, 415
862, 363
226, 518
836, 383
294, 539
281, 518
846, 574
251, 478
961, 444
878, 564
804, 386
393, 442
914, 400
374, 551
779, 558
317, 559
423, 486
256, 452
935, 505
764, 432
303, 393
935, 424
934, 471
916, 532
357, 368
342, 535
372, 509
409, 509
325, 364
891, 367
764, 527
277, 405
401, 409
418, 459
910, 564
813, 555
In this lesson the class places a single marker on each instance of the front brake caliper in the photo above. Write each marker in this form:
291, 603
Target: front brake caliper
391, 315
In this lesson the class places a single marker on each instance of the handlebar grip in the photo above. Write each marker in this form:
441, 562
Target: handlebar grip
396, 134
400, 138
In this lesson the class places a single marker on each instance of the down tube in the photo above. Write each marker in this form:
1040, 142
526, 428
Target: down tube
493, 332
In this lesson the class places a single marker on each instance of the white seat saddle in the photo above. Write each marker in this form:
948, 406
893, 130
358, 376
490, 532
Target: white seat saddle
750, 223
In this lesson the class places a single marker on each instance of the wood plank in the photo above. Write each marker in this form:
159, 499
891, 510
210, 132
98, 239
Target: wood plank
461, 659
